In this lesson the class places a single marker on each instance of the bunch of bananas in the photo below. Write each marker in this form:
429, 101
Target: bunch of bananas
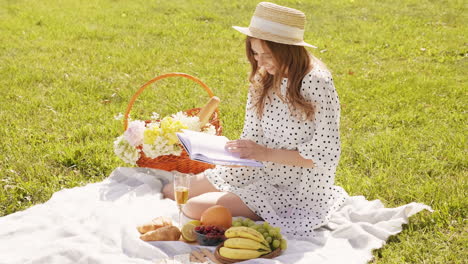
271, 234
244, 243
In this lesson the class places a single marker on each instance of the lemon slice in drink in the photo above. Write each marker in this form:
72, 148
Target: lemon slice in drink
188, 231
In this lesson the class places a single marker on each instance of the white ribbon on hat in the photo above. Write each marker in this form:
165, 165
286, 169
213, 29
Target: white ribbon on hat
277, 28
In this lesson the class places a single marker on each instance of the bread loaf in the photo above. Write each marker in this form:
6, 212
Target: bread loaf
156, 223
166, 233
206, 112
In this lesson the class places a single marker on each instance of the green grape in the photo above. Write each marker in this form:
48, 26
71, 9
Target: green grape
265, 234
279, 236
249, 222
272, 232
277, 229
261, 230
284, 244
236, 224
254, 227
276, 243
266, 225
246, 222
268, 239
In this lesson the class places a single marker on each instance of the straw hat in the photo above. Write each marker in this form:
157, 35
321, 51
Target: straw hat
277, 23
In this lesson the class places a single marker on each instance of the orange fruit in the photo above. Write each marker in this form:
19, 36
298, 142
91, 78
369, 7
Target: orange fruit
217, 215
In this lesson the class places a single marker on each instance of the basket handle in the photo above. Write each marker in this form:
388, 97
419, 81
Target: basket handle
167, 75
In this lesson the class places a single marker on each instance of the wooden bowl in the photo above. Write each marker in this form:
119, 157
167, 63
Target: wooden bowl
224, 260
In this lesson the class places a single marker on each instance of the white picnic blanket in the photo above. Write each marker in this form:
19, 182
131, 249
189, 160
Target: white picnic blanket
97, 223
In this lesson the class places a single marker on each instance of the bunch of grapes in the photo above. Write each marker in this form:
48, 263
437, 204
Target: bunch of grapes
271, 234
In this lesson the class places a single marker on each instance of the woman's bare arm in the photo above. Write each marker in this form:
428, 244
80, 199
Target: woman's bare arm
248, 149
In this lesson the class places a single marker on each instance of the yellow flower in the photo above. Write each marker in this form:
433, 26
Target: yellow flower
169, 127
151, 134
166, 123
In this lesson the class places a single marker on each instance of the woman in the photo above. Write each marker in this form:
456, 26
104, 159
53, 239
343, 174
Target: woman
291, 125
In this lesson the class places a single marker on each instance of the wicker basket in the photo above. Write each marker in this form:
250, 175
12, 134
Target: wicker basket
181, 163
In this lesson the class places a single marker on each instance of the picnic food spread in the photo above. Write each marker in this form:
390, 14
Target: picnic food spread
236, 240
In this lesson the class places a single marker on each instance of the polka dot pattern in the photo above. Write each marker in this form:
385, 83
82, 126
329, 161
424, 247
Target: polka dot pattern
295, 198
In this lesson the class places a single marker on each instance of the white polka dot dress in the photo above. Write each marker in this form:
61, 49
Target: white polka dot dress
295, 198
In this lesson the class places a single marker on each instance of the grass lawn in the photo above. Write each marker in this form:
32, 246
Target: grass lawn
68, 67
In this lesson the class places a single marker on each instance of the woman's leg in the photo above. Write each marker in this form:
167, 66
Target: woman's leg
196, 205
199, 184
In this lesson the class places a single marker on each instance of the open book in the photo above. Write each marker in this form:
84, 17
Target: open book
210, 149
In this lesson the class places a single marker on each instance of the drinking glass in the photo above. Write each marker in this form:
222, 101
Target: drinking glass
181, 190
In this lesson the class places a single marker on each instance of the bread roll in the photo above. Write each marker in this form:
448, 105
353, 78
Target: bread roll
166, 233
156, 223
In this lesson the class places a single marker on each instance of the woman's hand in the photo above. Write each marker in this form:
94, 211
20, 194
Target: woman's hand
247, 149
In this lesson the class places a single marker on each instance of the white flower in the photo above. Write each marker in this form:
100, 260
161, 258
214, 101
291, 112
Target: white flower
192, 122
210, 129
135, 132
152, 125
155, 116
160, 147
125, 151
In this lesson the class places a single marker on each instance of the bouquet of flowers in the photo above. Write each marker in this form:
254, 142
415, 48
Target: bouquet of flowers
156, 137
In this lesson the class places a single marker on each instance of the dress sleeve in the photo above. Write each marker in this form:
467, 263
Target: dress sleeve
252, 127
323, 148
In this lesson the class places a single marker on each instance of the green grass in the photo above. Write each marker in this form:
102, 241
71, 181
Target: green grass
68, 67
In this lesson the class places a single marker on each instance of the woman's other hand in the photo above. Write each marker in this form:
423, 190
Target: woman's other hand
247, 149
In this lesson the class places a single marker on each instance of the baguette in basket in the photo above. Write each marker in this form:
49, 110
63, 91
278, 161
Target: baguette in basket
208, 110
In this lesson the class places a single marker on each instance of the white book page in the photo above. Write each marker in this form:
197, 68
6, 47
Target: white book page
211, 148
202, 143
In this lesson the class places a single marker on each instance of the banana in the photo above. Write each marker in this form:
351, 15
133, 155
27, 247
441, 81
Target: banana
245, 243
245, 232
234, 253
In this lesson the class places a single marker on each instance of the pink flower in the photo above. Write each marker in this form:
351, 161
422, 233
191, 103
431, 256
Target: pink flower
135, 132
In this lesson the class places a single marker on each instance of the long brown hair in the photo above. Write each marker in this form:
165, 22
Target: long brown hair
291, 62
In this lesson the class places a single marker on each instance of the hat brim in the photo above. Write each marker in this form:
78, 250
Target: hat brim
246, 31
